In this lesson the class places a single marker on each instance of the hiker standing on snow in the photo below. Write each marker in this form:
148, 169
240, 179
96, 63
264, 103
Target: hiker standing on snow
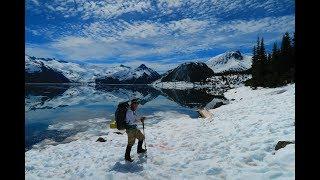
132, 131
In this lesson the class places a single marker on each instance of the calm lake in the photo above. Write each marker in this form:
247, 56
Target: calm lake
48, 105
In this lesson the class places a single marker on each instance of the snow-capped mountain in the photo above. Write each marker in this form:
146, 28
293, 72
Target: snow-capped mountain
72, 71
189, 72
62, 71
143, 69
127, 75
53, 70
230, 61
36, 71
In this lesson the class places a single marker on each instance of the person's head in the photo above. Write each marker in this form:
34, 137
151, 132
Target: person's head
134, 104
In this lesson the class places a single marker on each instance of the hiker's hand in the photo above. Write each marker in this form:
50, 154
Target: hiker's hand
142, 119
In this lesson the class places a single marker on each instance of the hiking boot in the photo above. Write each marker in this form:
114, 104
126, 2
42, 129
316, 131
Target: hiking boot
139, 149
127, 155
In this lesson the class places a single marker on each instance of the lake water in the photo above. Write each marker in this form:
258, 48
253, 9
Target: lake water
48, 105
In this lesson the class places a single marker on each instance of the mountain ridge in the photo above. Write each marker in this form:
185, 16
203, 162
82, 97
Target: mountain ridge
65, 72
62, 71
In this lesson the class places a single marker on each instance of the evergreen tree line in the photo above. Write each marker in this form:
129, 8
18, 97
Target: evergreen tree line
276, 68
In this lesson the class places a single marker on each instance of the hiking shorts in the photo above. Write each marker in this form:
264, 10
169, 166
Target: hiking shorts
134, 134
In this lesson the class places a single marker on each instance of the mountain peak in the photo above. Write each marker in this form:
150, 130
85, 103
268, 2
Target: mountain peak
142, 66
121, 65
140, 75
229, 61
189, 72
234, 54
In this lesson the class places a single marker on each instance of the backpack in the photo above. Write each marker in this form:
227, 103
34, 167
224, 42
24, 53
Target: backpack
120, 115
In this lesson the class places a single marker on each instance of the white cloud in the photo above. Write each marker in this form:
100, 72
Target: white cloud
168, 27
80, 48
39, 50
123, 30
127, 40
73, 42
34, 32
170, 3
186, 26
140, 30
36, 2
50, 7
124, 40
111, 9
268, 24
97, 9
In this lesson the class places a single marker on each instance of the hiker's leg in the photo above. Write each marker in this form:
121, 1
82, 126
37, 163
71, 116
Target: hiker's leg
131, 137
140, 137
127, 155
131, 141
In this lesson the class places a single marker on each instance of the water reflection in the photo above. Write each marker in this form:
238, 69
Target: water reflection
55, 96
195, 98
46, 90
37, 95
144, 92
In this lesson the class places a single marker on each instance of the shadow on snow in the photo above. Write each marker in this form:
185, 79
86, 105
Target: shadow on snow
130, 167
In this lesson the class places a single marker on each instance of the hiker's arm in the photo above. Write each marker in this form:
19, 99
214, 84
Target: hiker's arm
130, 117
140, 118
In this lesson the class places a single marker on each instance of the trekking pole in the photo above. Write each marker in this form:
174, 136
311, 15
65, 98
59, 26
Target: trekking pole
145, 144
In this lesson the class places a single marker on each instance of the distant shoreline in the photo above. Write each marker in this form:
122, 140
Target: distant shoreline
80, 84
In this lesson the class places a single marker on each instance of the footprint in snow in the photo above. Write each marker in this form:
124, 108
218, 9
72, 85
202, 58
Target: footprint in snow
157, 161
214, 171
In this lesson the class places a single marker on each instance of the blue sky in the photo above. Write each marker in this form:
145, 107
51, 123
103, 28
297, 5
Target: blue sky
159, 33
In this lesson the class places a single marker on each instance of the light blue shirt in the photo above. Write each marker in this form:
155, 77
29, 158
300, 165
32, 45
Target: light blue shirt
131, 117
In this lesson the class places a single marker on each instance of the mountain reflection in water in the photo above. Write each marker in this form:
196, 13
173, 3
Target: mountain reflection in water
49, 105
192, 98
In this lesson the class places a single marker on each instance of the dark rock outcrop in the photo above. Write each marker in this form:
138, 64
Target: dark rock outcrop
189, 72
282, 144
100, 139
46, 75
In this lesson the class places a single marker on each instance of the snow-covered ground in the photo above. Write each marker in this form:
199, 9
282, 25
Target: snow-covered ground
228, 81
237, 142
